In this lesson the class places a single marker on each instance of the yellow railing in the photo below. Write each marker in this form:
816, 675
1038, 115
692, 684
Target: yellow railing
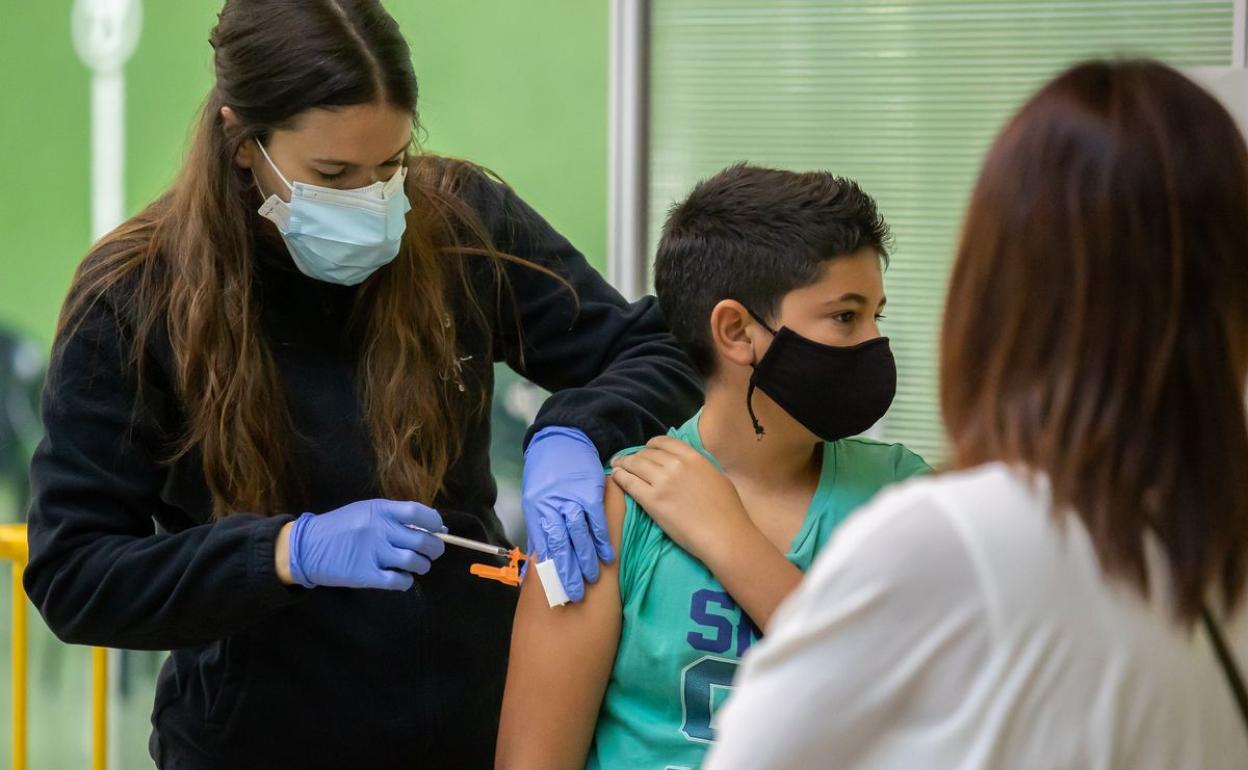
13, 549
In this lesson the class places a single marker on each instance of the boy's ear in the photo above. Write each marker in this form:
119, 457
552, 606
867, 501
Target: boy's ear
734, 333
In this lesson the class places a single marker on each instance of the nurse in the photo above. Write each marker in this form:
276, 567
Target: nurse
267, 384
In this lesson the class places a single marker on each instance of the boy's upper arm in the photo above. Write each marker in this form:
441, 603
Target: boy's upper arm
561, 660
615, 504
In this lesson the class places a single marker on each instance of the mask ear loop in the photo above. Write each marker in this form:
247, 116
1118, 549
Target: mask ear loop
749, 394
273, 166
749, 405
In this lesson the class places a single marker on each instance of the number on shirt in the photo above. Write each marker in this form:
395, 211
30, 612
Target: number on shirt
703, 686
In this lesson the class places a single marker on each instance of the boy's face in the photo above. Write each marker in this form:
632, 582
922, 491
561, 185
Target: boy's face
843, 307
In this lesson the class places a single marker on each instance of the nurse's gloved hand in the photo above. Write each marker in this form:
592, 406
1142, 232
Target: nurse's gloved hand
367, 544
563, 511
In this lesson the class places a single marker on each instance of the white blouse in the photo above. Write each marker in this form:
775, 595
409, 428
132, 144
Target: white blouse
955, 622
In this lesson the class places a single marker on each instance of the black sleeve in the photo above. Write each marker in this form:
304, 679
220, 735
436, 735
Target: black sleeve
99, 572
616, 372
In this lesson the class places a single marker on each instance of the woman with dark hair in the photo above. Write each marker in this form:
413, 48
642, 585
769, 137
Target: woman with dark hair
267, 396
1071, 594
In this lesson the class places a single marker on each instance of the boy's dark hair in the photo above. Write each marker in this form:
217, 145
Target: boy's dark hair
755, 234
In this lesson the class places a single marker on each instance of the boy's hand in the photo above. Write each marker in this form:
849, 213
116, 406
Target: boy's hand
695, 504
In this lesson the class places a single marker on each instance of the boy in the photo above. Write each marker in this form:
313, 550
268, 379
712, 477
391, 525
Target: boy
772, 282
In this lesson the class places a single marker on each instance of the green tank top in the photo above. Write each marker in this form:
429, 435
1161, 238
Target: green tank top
683, 635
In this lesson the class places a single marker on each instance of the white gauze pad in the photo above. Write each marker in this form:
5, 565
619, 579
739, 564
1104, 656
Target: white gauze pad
549, 576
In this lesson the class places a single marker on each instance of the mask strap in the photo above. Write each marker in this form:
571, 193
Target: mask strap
749, 395
759, 318
749, 405
273, 165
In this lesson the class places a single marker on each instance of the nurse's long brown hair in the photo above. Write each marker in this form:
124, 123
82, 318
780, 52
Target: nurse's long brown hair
1097, 320
186, 264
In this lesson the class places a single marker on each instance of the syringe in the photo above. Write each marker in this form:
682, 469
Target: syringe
510, 574
465, 542
470, 544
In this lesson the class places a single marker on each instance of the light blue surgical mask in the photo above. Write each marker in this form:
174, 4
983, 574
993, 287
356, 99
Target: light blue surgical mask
340, 236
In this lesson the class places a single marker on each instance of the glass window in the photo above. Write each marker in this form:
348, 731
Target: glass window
903, 96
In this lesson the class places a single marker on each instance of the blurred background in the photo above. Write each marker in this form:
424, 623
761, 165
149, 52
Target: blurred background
601, 113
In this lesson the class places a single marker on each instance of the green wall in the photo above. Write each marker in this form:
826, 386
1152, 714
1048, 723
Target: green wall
518, 87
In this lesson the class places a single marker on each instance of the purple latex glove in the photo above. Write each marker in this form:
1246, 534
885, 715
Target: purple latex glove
563, 511
367, 544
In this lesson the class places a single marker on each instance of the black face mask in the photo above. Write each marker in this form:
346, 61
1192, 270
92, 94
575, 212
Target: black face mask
835, 392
